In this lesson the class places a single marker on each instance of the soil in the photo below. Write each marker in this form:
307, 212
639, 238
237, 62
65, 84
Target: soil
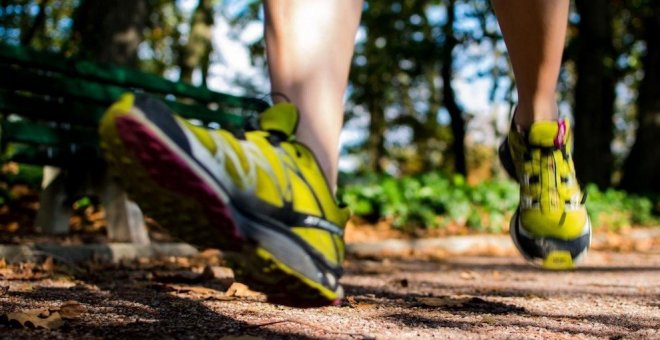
613, 295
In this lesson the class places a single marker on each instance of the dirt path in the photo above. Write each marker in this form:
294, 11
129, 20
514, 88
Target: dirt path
611, 296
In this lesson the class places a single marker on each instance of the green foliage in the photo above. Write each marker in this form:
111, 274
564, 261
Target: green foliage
432, 200
615, 209
438, 200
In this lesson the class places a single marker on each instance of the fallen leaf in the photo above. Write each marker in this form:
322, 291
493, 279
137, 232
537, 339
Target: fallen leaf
19, 190
48, 265
444, 301
23, 287
217, 272
12, 227
469, 275
360, 303
350, 300
33, 319
210, 253
364, 306
489, 319
197, 290
182, 261
10, 168
203, 291
72, 310
242, 291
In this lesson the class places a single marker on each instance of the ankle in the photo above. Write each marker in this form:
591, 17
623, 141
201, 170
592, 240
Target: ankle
528, 113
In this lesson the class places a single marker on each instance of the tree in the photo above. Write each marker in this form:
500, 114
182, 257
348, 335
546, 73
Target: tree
642, 166
110, 31
448, 94
594, 92
402, 76
197, 51
37, 25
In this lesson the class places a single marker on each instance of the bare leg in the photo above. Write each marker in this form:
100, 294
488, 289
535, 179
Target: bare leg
309, 46
534, 32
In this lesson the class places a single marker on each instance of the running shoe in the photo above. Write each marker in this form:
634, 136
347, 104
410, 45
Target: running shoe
260, 194
551, 226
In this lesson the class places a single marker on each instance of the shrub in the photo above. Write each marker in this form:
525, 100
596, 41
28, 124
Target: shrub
437, 200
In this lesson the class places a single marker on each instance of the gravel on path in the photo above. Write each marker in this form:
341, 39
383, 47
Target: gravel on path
613, 295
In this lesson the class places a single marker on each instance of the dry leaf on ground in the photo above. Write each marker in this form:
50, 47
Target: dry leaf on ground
48, 265
242, 291
23, 271
360, 303
33, 319
72, 310
222, 275
444, 301
212, 257
196, 290
469, 275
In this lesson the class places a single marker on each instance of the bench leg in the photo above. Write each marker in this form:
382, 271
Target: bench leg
124, 217
53, 215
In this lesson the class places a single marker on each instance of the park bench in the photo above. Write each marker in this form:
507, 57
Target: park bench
50, 108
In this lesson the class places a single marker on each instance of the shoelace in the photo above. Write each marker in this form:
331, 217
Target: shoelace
560, 186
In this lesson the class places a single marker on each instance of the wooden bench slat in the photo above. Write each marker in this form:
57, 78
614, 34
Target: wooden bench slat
95, 94
124, 77
50, 108
52, 155
42, 134
56, 85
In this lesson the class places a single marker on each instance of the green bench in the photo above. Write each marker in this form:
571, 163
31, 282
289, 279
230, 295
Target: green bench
50, 107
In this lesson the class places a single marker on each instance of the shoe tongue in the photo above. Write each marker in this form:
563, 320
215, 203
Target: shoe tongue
548, 134
281, 117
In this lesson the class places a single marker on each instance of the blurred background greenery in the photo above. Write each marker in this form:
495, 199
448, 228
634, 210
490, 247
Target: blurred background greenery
429, 96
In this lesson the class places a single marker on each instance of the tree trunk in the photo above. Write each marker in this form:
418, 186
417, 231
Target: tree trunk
594, 93
197, 50
110, 31
642, 167
376, 139
455, 112
38, 24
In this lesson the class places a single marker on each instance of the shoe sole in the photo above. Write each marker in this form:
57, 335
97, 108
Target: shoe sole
172, 188
550, 253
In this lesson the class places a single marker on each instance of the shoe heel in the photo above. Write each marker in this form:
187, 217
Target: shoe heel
506, 159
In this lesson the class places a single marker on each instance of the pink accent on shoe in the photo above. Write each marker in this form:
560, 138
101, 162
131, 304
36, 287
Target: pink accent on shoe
561, 134
170, 171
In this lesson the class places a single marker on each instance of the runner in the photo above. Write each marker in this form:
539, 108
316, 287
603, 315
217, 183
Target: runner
269, 194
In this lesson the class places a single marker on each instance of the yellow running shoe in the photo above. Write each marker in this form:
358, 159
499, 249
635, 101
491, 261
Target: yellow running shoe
551, 226
261, 194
